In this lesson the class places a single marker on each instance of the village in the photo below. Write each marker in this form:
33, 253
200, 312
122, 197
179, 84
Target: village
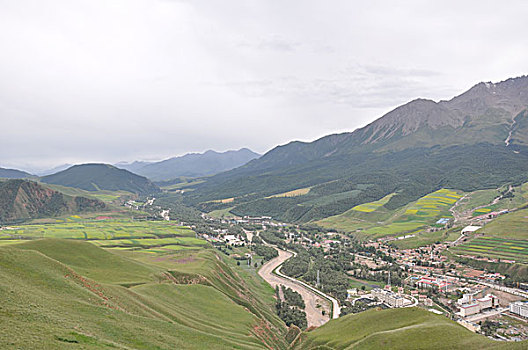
476, 298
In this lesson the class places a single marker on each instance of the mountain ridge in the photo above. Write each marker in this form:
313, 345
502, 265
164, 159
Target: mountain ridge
98, 176
191, 164
414, 149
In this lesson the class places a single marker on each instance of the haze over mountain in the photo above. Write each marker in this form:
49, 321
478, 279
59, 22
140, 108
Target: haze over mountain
94, 177
21, 199
476, 140
192, 164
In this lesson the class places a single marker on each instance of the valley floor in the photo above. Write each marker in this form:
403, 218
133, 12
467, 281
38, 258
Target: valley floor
315, 304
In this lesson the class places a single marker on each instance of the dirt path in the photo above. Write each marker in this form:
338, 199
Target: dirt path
311, 299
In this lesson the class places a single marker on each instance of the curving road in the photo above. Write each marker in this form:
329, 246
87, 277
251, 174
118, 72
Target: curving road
311, 298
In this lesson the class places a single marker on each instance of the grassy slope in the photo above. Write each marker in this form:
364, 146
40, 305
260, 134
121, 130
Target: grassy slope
409, 328
46, 303
512, 225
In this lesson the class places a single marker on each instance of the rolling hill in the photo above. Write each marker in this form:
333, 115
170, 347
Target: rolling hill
95, 177
407, 328
474, 141
13, 174
94, 299
192, 164
21, 199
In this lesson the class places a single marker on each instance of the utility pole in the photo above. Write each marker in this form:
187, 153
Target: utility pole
318, 281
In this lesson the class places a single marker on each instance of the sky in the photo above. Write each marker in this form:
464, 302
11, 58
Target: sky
123, 80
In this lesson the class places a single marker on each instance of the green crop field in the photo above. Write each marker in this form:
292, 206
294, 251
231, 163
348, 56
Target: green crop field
118, 234
405, 328
495, 247
371, 206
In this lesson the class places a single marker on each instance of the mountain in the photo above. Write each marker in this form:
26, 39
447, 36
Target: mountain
476, 140
94, 177
192, 164
13, 174
21, 199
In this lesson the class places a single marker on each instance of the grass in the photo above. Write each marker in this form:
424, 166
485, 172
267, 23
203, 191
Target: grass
358, 283
221, 213
57, 294
103, 195
405, 328
513, 225
421, 239
370, 207
77, 228
373, 220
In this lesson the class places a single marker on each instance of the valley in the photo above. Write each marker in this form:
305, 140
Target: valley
409, 233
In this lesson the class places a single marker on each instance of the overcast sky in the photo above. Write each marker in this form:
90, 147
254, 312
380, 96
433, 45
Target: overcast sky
116, 80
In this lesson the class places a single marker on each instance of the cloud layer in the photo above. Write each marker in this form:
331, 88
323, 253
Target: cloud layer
127, 79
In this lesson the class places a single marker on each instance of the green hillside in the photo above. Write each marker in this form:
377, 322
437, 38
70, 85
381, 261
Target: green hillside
58, 294
407, 328
411, 151
374, 219
96, 177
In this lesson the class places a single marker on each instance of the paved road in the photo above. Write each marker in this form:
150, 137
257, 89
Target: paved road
311, 299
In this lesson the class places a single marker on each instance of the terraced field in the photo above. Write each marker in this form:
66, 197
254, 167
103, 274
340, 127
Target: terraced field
374, 220
495, 247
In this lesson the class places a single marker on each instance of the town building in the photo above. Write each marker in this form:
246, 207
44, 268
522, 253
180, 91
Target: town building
470, 306
519, 308
389, 298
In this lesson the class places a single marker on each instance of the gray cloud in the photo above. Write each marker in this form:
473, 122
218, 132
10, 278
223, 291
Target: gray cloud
140, 79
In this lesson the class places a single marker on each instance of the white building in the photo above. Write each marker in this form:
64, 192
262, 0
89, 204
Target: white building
390, 298
470, 229
469, 306
469, 309
519, 308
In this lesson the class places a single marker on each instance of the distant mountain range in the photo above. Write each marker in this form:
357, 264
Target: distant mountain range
22, 199
191, 165
13, 174
476, 140
94, 177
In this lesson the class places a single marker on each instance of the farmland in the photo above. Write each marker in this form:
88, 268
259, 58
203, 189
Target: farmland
124, 234
294, 193
373, 220
495, 247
